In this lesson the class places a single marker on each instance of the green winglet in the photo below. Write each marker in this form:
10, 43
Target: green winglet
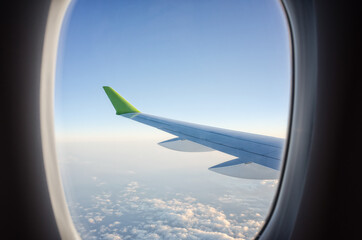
119, 103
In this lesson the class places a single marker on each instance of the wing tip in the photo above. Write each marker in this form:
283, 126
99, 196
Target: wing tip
120, 104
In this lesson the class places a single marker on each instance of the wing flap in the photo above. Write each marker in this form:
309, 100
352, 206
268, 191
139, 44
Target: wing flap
245, 169
183, 145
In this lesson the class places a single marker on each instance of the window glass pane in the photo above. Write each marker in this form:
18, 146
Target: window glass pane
222, 64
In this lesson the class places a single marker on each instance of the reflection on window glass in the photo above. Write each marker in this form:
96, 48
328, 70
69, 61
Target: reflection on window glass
223, 64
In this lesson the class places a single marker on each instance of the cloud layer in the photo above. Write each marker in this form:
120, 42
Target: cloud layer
133, 214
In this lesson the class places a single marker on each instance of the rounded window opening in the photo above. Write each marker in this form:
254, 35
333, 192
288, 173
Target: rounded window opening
170, 116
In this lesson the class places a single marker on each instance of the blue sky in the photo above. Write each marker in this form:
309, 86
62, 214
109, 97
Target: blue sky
219, 63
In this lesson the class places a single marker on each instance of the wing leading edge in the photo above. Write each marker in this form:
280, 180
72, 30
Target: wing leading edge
258, 156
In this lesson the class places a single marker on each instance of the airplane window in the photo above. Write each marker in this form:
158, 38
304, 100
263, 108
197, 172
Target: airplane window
171, 116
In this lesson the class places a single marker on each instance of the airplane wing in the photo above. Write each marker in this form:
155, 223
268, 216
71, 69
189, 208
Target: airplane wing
258, 156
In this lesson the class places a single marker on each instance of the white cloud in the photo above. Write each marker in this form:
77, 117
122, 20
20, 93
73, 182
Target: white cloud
98, 218
112, 236
270, 183
181, 218
137, 216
